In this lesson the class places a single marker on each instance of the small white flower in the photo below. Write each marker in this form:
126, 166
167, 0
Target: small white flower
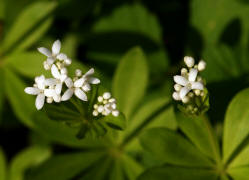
201, 65
60, 76
40, 89
106, 105
189, 83
189, 61
54, 54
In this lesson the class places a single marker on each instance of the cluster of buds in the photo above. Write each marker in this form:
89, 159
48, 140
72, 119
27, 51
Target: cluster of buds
106, 105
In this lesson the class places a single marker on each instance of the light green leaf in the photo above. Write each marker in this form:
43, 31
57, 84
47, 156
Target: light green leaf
240, 173
224, 177
236, 127
30, 157
65, 166
29, 64
200, 132
177, 173
27, 20
212, 24
169, 147
242, 159
3, 168
130, 81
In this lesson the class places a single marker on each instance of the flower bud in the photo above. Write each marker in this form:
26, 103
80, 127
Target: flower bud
201, 65
189, 61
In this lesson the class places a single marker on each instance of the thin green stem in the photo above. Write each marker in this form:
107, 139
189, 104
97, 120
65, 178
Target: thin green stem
145, 123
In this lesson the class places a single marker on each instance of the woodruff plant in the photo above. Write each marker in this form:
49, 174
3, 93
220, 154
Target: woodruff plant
61, 88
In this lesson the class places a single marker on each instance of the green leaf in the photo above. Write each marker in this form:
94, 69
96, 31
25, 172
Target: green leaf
32, 156
2, 89
29, 64
3, 168
200, 132
118, 123
236, 127
169, 147
27, 20
242, 159
240, 173
224, 177
212, 25
130, 81
2, 9
65, 166
177, 173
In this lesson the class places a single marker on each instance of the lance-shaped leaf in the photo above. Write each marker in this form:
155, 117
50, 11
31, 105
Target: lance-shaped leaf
177, 173
130, 81
3, 168
169, 147
27, 20
236, 127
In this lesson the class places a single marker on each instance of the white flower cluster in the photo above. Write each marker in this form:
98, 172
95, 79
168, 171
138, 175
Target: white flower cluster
105, 106
189, 84
50, 89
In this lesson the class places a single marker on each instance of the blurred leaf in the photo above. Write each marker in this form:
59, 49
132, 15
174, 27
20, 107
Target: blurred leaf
70, 43
32, 156
3, 168
177, 173
2, 9
29, 64
117, 171
2, 89
169, 147
224, 177
28, 19
118, 123
130, 81
239, 173
242, 159
224, 63
236, 120
200, 132
212, 25
64, 166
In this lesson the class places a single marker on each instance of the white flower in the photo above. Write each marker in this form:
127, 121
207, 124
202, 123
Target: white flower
201, 65
105, 106
72, 89
40, 89
86, 80
188, 83
60, 76
53, 55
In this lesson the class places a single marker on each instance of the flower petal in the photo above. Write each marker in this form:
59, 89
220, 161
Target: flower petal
56, 47
50, 61
55, 72
56, 98
67, 95
40, 81
183, 92
89, 73
86, 87
61, 56
58, 88
80, 94
63, 77
32, 90
181, 80
192, 74
197, 85
49, 92
39, 102
93, 80
79, 82
69, 82
50, 82
45, 51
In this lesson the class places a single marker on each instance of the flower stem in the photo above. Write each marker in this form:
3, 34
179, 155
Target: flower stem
144, 124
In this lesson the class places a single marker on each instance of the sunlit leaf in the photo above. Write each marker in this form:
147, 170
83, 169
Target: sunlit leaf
236, 127
28, 158
239, 173
130, 81
169, 147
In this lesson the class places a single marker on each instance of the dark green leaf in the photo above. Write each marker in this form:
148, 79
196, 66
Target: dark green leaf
118, 123
178, 173
130, 81
169, 147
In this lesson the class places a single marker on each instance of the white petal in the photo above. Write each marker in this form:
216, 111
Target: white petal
45, 51
176, 96
192, 74
61, 56
89, 73
49, 92
39, 102
40, 81
67, 95
183, 92
56, 47
63, 77
55, 72
57, 98
32, 90
58, 88
107, 95
50, 61
181, 80
80, 94
50, 82
86, 87
69, 82
93, 80
79, 82
197, 85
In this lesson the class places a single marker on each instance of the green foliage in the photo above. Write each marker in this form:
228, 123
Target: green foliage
2, 165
